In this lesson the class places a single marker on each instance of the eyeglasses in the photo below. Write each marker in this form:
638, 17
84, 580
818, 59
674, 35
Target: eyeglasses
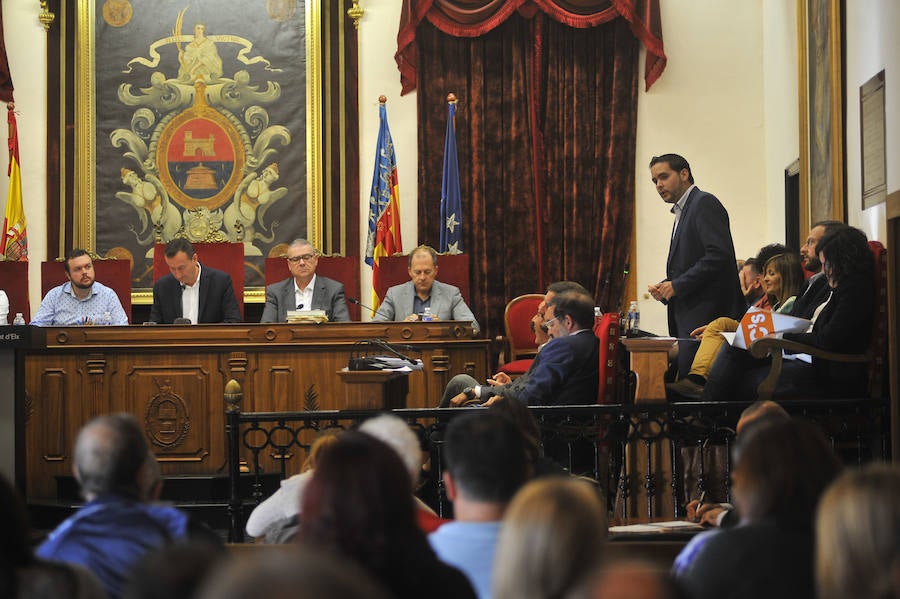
304, 257
547, 323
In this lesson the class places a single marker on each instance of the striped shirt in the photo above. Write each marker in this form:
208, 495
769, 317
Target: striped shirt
60, 307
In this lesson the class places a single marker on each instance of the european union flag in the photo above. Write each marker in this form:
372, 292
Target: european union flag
451, 204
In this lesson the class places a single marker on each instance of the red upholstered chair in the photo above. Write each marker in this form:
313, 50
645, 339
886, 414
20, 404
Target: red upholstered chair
520, 348
453, 269
875, 355
340, 268
115, 274
227, 257
14, 281
607, 330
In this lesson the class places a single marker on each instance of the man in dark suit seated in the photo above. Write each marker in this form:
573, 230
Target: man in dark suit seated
192, 291
565, 371
304, 289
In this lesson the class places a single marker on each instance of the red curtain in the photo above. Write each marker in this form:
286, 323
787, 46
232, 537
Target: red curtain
546, 126
6, 86
473, 18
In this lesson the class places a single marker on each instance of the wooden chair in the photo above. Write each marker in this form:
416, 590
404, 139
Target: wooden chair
453, 269
115, 274
519, 347
607, 328
14, 281
875, 356
227, 257
340, 268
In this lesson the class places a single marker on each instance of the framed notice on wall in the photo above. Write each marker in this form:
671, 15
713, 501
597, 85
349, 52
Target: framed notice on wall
872, 141
821, 112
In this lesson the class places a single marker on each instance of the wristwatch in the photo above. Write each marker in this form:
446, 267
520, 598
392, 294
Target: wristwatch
469, 392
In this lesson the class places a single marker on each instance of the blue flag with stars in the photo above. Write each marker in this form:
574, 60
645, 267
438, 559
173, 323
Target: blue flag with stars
451, 204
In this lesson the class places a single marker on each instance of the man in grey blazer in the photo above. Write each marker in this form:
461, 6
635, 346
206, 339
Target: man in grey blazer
408, 301
304, 290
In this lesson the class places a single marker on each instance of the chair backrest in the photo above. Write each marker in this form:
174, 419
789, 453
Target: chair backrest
340, 268
607, 330
14, 281
517, 324
453, 269
227, 257
114, 273
879, 344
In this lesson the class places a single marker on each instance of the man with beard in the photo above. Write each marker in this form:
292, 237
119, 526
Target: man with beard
81, 300
817, 290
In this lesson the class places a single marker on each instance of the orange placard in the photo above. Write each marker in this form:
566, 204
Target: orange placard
756, 324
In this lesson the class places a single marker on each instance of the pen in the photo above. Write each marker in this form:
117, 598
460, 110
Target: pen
702, 499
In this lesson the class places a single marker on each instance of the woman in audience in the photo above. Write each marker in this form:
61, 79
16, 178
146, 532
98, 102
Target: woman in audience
275, 519
24, 576
842, 324
551, 541
782, 282
781, 469
359, 504
858, 535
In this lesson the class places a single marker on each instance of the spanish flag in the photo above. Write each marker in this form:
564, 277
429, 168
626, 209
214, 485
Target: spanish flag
14, 244
384, 207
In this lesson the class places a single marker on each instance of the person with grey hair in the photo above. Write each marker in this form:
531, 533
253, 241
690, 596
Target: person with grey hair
117, 525
410, 300
304, 289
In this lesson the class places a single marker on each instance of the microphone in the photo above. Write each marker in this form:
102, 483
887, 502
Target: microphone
353, 300
181, 320
299, 306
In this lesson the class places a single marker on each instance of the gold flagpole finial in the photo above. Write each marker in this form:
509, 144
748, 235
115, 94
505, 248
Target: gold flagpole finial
356, 13
45, 16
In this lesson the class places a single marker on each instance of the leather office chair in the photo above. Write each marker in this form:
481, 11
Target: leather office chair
115, 274
14, 281
875, 355
227, 257
519, 347
340, 268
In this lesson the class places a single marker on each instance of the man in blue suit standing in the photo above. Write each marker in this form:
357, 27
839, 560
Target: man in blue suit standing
701, 281
304, 289
565, 372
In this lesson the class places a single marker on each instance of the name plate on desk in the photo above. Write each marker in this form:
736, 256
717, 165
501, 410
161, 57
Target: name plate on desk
19, 336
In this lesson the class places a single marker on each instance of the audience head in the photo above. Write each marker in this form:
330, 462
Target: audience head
761, 410
396, 433
537, 323
633, 579
182, 261
845, 252
173, 571
568, 312
359, 503
766, 253
551, 541
319, 445
485, 457
302, 258
783, 277
79, 268
858, 535
751, 280
111, 456
809, 251
423, 268
781, 469
293, 572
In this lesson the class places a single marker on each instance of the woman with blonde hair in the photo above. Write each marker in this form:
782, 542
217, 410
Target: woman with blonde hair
858, 535
551, 541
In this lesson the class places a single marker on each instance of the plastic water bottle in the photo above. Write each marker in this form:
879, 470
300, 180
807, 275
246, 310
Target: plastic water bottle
4, 308
634, 319
106, 319
427, 316
19, 320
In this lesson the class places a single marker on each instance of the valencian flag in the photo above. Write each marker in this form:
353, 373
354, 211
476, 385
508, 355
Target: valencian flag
384, 205
14, 244
451, 204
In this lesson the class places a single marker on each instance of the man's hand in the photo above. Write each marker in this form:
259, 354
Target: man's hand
666, 290
706, 514
698, 332
501, 378
412, 318
491, 401
458, 400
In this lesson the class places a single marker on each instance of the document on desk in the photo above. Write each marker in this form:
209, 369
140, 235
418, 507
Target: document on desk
672, 525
